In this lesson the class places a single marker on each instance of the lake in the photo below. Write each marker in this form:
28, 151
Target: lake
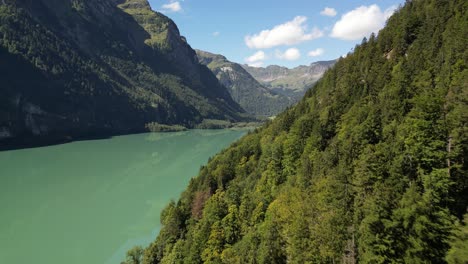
90, 201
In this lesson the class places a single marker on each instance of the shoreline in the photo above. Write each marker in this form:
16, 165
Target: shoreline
45, 141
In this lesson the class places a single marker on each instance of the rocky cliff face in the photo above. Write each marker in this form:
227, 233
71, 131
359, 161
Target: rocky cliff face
291, 82
76, 68
244, 89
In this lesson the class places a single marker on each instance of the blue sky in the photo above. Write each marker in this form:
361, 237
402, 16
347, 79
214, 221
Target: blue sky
287, 33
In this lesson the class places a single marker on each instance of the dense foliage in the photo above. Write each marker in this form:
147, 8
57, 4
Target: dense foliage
255, 98
458, 252
74, 67
369, 167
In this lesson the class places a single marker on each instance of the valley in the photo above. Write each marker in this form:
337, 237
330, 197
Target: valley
120, 143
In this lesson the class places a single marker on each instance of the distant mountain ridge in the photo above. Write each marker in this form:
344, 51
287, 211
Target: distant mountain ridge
77, 68
255, 98
369, 167
291, 82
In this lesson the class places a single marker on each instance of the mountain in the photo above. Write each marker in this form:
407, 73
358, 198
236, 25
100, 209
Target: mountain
370, 166
290, 82
244, 89
77, 68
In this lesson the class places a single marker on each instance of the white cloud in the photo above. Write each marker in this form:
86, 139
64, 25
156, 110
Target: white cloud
256, 60
328, 11
216, 33
316, 52
361, 22
290, 54
289, 33
256, 64
172, 7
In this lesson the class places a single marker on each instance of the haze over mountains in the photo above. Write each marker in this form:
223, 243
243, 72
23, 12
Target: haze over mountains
82, 68
245, 90
369, 167
264, 91
109, 67
292, 83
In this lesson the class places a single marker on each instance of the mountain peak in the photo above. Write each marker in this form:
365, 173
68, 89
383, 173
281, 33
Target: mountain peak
206, 57
255, 98
99, 68
291, 82
370, 166
133, 4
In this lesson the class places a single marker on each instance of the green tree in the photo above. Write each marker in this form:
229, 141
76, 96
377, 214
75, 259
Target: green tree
458, 253
134, 255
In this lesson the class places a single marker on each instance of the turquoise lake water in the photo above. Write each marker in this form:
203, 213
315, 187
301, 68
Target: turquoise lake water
90, 201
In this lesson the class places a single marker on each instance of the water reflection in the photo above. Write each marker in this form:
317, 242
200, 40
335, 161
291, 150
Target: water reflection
89, 201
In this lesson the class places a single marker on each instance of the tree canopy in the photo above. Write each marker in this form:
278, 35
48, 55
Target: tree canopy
369, 167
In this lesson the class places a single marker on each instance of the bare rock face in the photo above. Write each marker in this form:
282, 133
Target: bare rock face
290, 82
181, 53
165, 36
249, 93
80, 68
133, 4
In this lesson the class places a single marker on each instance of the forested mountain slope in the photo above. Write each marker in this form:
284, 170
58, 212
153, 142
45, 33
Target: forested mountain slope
290, 82
73, 68
244, 89
370, 166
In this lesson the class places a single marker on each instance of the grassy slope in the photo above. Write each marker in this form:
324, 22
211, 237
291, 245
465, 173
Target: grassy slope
290, 82
91, 69
249, 93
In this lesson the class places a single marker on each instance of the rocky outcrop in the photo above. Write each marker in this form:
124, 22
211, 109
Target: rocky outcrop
244, 89
85, 68
290, 82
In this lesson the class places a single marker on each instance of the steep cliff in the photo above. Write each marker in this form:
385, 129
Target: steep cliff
369, 167
255, 98
77, 68
290, 82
